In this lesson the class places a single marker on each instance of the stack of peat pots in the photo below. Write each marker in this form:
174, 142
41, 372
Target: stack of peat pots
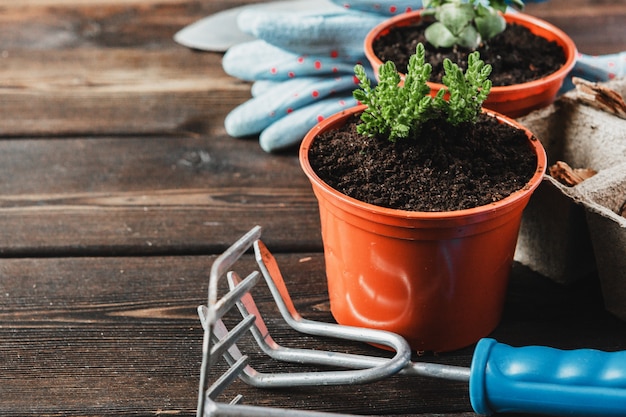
570, 231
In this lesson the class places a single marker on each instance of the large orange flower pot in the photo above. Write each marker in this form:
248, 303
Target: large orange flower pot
437, 278
511, 100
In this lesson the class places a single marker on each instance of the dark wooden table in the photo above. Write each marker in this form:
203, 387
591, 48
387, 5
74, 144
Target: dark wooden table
119, 186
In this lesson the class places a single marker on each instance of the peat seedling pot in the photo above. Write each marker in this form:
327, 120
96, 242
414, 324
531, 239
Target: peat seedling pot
439, 279
511, 100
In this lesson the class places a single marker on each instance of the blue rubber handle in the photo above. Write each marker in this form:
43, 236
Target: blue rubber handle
544, 380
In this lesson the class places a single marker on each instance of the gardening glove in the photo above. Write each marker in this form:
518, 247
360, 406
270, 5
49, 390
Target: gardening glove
302, 66
598, 68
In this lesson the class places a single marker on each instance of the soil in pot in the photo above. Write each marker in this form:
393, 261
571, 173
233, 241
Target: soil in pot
445, 168
516, 55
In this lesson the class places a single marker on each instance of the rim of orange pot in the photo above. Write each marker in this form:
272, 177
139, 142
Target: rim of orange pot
338, 119
535, 25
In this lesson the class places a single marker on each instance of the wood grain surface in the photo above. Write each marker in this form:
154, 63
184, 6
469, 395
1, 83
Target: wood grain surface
119, 186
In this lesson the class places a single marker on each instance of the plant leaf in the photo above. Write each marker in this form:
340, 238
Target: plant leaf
455, 17
469, 38
489, 22
500, 5
439, 36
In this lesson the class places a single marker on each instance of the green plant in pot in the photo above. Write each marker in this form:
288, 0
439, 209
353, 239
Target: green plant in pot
412, 246
520, 48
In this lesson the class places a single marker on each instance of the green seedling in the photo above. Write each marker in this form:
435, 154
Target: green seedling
398, 110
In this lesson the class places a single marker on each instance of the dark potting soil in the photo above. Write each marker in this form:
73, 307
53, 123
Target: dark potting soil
443, 169
516, 55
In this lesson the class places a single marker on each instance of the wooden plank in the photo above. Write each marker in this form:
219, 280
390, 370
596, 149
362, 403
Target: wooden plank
189, 194
596, 28
148, 230
114, 91
200, 221
59, 24
109, 67
116, 22
133, 164
98, 3
85, 352
119, 336
113, 23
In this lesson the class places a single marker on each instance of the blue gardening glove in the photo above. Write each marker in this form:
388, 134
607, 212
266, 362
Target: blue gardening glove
302, 66
598, 68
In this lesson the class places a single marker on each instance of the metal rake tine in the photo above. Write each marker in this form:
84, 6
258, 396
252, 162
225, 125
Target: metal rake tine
227, 378
233, 355
224, 345
365, 373
230, 410
227, 259
229, 300
248, 308
247, 373
223, 339
264, 340
223, 262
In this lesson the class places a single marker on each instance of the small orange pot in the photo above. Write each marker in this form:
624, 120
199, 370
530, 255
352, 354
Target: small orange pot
437, 278
511, 100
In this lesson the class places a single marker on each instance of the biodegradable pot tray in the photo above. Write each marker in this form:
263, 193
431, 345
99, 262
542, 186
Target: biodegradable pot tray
568, 232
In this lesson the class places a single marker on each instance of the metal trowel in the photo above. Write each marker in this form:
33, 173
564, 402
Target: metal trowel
219, 31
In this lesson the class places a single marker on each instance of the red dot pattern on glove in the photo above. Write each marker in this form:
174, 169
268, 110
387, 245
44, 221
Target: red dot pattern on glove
301, 60
611, 66
392, 9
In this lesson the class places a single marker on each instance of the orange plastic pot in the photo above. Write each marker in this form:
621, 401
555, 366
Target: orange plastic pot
437, 278
511, 100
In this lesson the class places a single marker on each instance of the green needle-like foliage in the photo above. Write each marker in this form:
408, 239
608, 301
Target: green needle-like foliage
467, 91
394, 111
398, 110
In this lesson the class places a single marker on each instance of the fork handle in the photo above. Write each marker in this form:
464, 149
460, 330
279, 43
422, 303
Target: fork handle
544, 380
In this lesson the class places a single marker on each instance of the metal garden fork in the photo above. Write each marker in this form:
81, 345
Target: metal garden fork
219, 341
